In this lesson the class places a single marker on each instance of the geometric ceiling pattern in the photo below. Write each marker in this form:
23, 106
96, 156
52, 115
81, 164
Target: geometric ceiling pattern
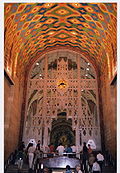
30, 28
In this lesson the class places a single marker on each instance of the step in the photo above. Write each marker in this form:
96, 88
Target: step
109, 169
14, 169
25, 169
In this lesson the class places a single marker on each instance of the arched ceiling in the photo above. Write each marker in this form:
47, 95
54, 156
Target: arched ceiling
31, 28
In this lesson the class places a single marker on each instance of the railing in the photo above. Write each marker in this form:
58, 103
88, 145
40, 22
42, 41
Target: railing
47, 154
38, 166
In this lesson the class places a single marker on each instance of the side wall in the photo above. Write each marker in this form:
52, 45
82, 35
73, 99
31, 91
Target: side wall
12, 115
109, 104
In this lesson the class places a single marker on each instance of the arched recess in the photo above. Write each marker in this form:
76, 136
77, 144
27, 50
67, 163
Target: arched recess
62, 81
61, 131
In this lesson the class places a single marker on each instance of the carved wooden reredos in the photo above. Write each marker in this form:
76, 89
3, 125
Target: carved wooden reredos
62, 81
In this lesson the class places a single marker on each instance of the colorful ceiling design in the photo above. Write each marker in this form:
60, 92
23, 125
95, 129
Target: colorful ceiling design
31, 28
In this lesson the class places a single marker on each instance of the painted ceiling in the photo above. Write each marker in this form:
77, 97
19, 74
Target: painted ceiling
31, 28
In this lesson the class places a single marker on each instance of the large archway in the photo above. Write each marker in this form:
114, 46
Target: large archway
62, 81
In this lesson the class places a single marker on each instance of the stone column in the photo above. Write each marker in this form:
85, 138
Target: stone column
45, 141
79, 103
45, 134
77, 135
48, 138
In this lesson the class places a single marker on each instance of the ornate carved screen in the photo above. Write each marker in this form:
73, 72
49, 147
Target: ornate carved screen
62, 81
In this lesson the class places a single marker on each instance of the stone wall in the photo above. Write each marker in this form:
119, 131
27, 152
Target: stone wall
12, 115
109, 107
